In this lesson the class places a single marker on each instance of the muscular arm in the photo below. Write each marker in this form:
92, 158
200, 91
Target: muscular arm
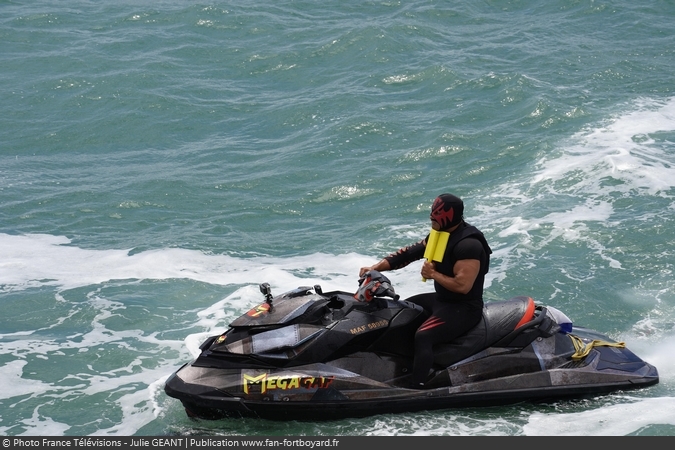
466, 272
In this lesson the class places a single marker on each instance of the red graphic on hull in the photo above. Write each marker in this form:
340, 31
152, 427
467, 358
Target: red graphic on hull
259, 310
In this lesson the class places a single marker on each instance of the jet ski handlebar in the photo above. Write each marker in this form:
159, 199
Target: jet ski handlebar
392, 294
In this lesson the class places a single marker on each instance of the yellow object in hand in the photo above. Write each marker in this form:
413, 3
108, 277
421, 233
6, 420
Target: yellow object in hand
438, 241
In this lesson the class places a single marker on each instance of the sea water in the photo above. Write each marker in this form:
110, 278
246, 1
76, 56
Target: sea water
159, 160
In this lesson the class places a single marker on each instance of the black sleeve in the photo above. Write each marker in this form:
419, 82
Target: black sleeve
406, 255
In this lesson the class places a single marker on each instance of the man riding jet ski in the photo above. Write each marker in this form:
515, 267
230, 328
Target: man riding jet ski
306, 354
457, 260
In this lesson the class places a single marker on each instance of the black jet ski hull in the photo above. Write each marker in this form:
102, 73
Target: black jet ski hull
208, 407
323, 392
314, 356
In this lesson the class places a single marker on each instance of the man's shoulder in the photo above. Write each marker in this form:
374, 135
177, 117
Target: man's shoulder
470, 242
470, 246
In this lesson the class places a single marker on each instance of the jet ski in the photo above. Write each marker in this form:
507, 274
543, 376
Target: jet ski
313, 355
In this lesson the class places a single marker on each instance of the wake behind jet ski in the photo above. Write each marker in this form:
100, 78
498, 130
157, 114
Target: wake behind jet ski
310, 355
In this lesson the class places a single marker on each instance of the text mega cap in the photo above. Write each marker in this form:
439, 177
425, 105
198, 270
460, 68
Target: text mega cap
447, 210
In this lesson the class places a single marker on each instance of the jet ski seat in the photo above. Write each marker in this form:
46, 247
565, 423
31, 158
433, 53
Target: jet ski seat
511, 323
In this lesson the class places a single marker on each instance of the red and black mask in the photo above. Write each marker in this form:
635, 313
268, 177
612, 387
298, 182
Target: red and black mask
447, 210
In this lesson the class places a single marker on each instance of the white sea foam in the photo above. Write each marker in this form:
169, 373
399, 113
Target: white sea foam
623, 149
14, 385
589, 181
614, 420
39, 260
588, 171
39, 425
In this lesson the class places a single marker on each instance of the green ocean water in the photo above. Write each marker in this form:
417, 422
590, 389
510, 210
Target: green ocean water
158, 160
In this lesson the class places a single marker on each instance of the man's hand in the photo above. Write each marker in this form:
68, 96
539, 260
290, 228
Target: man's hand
428, 270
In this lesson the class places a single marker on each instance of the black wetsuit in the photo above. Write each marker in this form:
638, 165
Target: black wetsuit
452, 314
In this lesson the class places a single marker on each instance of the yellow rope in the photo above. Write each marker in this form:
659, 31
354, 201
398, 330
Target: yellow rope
582, 350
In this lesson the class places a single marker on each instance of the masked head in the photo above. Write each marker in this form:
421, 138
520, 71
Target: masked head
447, 210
